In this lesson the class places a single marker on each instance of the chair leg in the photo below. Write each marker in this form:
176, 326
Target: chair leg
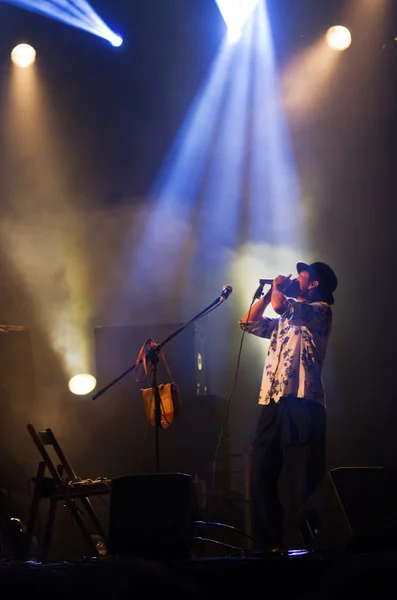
91, 512
77, 517
34, 508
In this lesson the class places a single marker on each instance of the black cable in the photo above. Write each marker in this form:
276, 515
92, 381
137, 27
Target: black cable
228, 403
226, 526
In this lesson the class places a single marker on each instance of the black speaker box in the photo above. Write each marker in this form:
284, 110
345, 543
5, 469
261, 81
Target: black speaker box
353, 509
152, 516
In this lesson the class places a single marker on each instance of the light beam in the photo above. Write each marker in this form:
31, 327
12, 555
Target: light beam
43, 236
235, 14
77, 13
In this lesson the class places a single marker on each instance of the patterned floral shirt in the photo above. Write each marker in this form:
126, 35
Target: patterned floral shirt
297, 349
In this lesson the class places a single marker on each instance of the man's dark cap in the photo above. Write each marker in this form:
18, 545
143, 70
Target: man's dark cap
321, 272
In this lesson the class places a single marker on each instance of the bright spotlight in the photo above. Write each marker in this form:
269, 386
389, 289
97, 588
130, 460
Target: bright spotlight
23, 55
116, 41
338, 37
82, 384
77, 13
235, 14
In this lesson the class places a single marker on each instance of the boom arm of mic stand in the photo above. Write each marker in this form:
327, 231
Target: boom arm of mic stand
196, 318
211, 306
105, 389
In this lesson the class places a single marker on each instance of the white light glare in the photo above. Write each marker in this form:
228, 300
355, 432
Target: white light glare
82, 384
235, 14
77, 13
23, 55
339, 37
116, 41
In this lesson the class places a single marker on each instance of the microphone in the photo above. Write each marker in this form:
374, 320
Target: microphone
226, 291
266, 281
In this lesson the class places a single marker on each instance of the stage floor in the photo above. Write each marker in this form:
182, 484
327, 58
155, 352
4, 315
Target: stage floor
298, 575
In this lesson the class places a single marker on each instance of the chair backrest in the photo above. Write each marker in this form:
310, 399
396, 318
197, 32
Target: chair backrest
44, 439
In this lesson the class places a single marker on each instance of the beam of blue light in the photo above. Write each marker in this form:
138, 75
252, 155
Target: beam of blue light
235, 14
77, 13
167, 237
229, 179
276, 214
220, 219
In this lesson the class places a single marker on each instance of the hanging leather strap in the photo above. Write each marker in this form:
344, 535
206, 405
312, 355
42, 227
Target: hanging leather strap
166, 365
141, 360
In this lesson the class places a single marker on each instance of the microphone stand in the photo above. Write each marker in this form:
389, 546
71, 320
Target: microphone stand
152, 357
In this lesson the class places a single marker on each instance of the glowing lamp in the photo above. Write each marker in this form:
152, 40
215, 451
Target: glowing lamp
82, 384
338, 37
116, 40
23, 55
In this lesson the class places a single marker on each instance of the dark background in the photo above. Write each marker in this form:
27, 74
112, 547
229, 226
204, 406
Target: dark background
117, 111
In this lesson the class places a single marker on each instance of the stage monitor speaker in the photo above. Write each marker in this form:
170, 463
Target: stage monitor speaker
353, 509
152, 516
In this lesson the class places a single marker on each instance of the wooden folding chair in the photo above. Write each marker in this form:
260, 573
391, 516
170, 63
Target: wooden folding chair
63, 486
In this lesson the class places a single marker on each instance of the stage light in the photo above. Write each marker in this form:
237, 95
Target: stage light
23, 55
77, 13
235, 14
116, 41
297, 552
338, 37
82, 384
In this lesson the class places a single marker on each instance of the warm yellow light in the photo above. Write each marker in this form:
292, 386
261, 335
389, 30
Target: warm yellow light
23, 55
339, 37
82, 384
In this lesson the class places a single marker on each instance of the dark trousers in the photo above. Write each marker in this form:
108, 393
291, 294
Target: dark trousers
290, 435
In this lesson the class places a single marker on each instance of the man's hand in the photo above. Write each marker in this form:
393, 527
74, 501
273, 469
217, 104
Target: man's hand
281, 283
279, 286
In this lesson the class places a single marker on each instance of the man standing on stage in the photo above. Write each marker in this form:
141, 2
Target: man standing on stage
291, 430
